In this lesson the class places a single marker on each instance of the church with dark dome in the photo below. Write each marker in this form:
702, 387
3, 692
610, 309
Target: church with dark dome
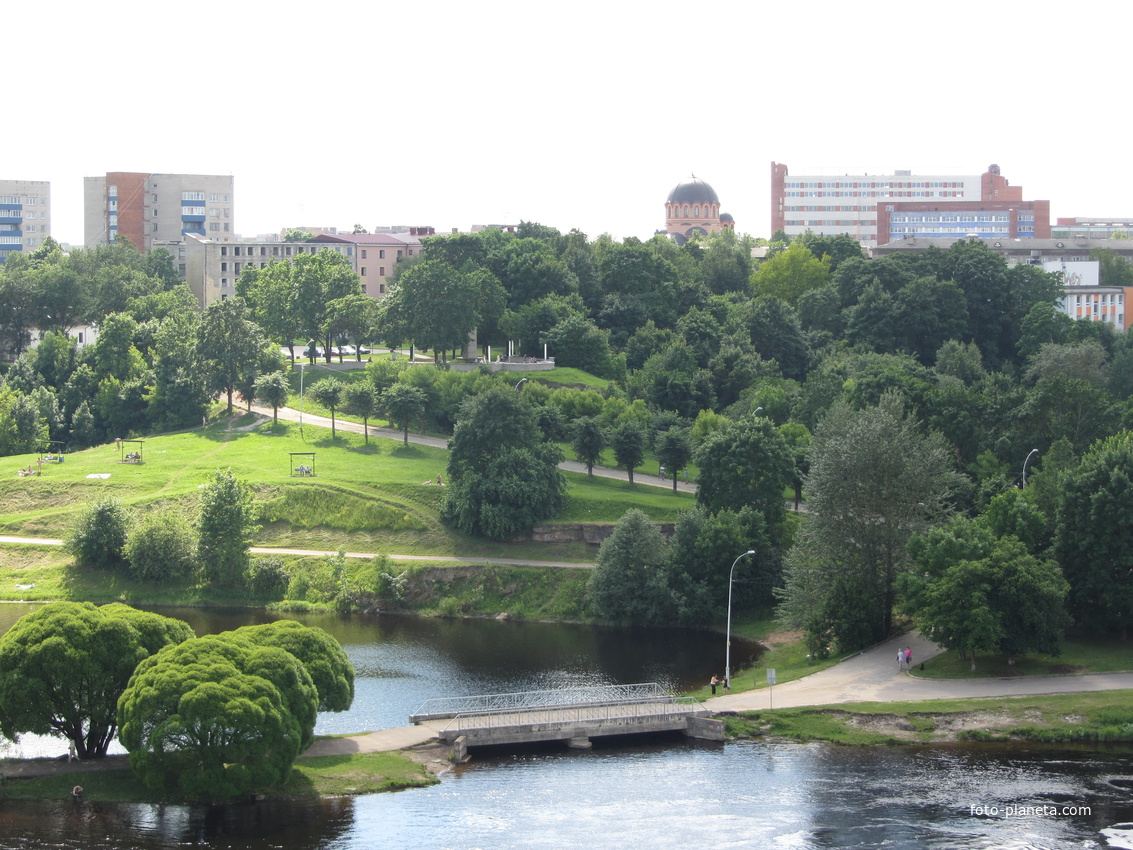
692, 208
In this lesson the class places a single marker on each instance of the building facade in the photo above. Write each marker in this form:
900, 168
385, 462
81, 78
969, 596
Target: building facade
157, 208
877, 209
693, 207
1092, 228
375, 254
25, 215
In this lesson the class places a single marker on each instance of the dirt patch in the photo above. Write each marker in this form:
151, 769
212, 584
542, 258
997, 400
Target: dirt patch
941, 727
779, 638
436, 757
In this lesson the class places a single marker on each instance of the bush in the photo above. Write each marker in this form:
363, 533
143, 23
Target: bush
161, 548
268, 577
99, 537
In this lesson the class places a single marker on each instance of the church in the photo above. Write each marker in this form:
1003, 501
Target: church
692, 208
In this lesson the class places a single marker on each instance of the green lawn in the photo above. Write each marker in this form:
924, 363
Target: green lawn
1080, 654
380, 497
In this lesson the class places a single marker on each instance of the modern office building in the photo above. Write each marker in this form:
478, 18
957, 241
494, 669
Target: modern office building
153, 208
25, 215
877, 209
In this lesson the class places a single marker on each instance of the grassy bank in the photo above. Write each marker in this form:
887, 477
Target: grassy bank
1057, 718
1080, 654
320, 776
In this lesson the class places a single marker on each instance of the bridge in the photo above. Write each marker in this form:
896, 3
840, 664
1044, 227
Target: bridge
574, 715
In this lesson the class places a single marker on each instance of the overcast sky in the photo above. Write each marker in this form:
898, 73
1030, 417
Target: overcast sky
576, 115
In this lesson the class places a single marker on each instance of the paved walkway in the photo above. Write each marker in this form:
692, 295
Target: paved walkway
873, 677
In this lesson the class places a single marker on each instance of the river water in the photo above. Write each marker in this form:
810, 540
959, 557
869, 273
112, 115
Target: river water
664, 792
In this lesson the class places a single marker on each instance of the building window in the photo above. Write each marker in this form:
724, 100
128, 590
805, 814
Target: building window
214, 227
224, 267
224, 252
363, 271
192, 196
381, 255
381, 289
363, 253
382, 271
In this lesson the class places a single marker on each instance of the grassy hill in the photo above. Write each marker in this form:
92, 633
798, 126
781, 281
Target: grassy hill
374, 497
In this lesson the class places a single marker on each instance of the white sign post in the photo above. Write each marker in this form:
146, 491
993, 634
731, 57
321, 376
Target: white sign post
770, 687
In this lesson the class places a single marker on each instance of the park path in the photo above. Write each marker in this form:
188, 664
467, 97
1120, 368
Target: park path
873, 676
289, 414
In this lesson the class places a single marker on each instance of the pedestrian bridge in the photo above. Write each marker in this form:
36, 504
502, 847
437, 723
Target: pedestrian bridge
573, 715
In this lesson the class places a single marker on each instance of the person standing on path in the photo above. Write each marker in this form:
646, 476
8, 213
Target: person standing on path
908, 658
714, 683
900, 659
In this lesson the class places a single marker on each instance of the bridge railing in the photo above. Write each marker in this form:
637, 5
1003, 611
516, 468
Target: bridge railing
607, 714
439, 709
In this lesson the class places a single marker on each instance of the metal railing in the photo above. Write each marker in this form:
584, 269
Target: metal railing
438, 709
607, 714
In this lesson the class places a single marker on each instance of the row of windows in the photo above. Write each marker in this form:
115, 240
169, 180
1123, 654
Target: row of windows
933, 216
710, 210
926, 229
822, 222
835, 208
192, 196
899, 194
849, 184
17, 199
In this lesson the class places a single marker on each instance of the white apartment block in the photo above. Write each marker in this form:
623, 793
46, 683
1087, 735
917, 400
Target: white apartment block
25, 215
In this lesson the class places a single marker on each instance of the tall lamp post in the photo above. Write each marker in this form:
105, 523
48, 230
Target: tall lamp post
728, 650
521, 382
1031, 455
310, 346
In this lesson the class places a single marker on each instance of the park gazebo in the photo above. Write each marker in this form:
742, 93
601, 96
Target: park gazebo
302, 464
130, 451
51, 451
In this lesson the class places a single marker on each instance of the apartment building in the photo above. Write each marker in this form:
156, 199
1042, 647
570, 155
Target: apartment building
375, 254
157, 208
25, 215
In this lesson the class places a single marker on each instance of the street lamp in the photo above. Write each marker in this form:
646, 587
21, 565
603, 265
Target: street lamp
521, 382
310, 346
728, 650
1031, 455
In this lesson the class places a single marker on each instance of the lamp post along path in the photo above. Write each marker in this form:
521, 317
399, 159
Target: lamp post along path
728, 648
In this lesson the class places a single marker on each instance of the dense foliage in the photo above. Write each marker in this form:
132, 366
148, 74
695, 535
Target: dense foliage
64, 665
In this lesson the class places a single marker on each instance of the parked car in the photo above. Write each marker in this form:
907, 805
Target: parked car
362, 349
348, 350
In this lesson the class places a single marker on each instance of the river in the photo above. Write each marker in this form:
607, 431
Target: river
666, 792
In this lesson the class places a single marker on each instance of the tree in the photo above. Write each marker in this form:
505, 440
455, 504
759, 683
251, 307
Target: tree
745, 464
272, 389
788, 274
437, 306
628, 582
503, 478
875, 479
226, 525
404, 404
99, 537
673, 449
588, 440
295, 234
217, 716
974, 591
228, 346
577, 342
1090, 535
321, 655
362, 399
628, 442
703, 548
64, 665
329, 392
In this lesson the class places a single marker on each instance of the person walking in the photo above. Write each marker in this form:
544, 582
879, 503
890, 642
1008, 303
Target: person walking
908, 658
900, 659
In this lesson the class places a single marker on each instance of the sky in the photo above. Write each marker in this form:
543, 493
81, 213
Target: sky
575, 115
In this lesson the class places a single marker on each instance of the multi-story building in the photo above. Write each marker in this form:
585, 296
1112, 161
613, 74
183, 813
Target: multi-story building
1092, 228
152, 208
877, 209
25, 215
211, 268
375, 254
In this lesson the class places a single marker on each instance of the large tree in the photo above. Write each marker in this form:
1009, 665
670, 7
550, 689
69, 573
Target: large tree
1091, 538
503, 477
228, 346
64, 665
226, 525
217, 716
745, 464
875, 479
628, 583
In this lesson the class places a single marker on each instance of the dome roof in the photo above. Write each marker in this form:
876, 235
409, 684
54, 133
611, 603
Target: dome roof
693, 191
727, 217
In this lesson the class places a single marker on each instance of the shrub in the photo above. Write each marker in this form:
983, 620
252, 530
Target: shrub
268, 577
99, 537
161, 548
